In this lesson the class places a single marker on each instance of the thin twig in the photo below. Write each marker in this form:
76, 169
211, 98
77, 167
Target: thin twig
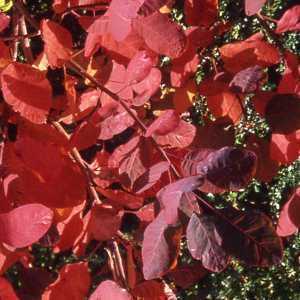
119, 263
25, 42
111, 265
15, 44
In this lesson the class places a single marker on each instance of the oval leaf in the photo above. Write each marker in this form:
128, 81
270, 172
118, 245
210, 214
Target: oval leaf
25, 225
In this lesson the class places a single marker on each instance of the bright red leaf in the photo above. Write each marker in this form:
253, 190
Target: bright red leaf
27, 90
6, 290
58, 43
73, 282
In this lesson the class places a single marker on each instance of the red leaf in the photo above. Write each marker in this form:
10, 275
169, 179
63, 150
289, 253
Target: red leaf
161, 35
193, 7
205, 243
225, 104
6, 290
152, 290
109, 289
8, 258
105, 222
252, 7
185, 66
58, 43
25, 225
47, 174
253, 51
69, 230
73, 282
150, 177
115, 123
4, 21
27, 90
289, 219
84, 136
181, 137
164, 124
122, 199
139, 67
290, 20
285, 148
147, 87
160, 247
120, 14
177, 196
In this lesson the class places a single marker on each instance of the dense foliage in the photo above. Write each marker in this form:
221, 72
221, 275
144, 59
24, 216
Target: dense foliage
149, 149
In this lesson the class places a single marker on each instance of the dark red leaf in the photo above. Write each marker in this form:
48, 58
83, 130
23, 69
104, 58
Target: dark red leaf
27, 90
25, 225
188, 275
34, 281
250, 236
160, 247
283, 113
246, 81
226, 169
109, 289
205, 243
161, 34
